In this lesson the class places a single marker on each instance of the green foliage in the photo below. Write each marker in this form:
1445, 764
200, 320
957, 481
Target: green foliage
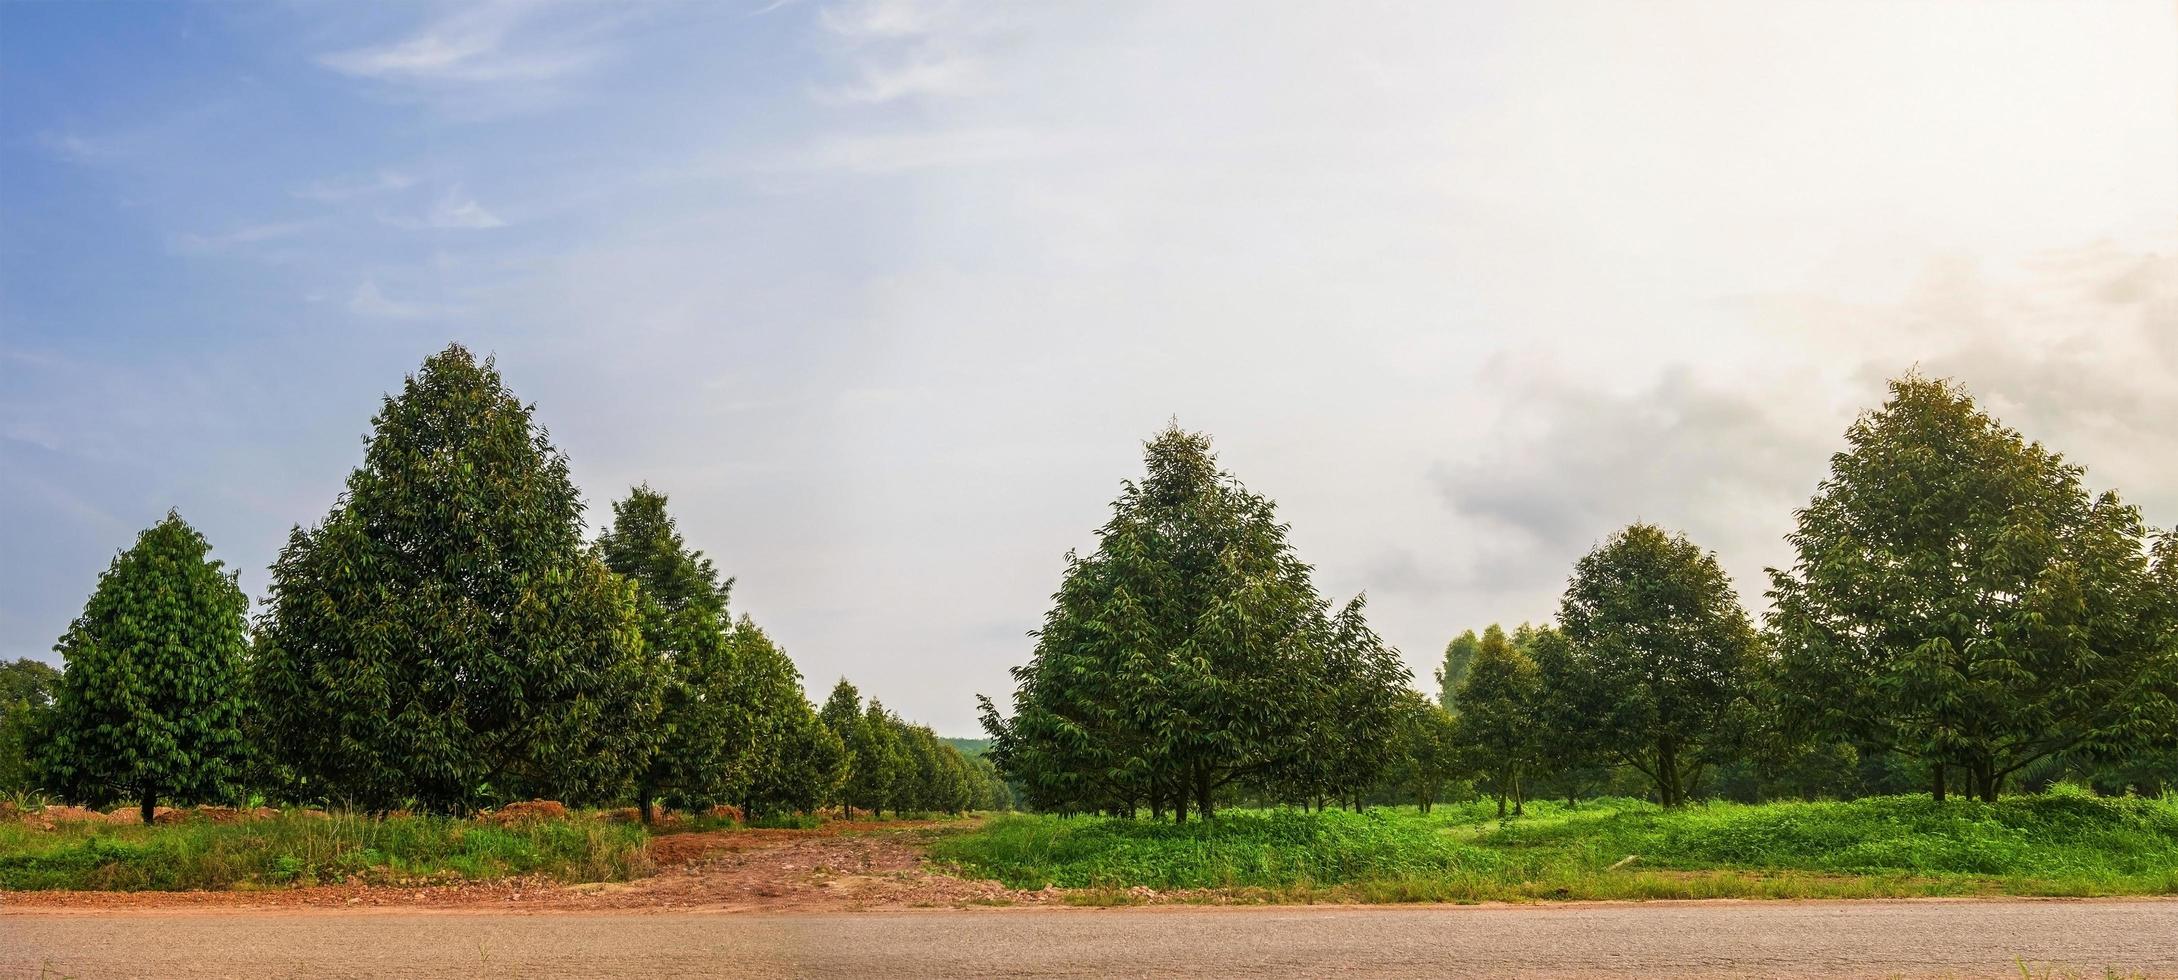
1668, 655
809, 768
883, 762
1244, 848
1958, 596
870, 764
27, 690
644, 545
2091, 844
1358, 687
1425, 751
1459, 655
2060, 844
1497, 735
443, 637
300, 849
150, 706
790, 760
970, 747
704, 747
1191, 656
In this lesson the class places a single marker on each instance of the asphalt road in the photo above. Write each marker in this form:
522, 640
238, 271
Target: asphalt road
1836, 939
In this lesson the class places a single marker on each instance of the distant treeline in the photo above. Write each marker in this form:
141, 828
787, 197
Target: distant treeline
1961, 615
445, 640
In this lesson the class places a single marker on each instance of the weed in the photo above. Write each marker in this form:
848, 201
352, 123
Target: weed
2065, 844
298, 849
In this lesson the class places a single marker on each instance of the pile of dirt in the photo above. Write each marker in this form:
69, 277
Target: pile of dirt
659, 816
48, 818
724, 811
534, 811
228, 814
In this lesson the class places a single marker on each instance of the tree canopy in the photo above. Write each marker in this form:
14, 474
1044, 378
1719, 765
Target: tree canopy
1957, 595
1654, 625
1497, 733
703, 750
443, 639
150, 705
1189, 654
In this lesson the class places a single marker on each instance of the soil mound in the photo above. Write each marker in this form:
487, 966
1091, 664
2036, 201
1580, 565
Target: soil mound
532, 811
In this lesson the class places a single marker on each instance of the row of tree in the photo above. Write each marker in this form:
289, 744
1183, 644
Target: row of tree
445, 639
1959, 607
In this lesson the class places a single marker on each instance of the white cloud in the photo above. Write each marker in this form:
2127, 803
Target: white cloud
369, 301
72, 147
341, 189
906, 49
883, 153
475, 45
245, 235
918, 76
871, 19
454, 210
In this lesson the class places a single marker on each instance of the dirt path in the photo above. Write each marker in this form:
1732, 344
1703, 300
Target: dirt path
1707, 939
846, 866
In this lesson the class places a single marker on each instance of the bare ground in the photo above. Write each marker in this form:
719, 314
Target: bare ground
844, 866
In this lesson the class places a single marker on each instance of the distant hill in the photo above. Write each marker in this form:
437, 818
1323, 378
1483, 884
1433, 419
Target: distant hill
969, 746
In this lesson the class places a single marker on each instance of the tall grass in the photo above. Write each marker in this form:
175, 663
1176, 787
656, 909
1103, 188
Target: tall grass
1261, 848
2060, 844
297, 848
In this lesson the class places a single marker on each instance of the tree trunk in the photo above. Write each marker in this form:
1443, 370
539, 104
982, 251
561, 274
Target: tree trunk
1202, 793
1179, 808
1939, 768
1667, 775
151, 800
648, 814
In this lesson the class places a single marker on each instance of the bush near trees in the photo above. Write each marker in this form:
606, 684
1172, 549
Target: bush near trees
1190, 656
150, 705
27, 688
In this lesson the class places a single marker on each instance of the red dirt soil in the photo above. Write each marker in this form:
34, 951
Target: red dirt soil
842, 866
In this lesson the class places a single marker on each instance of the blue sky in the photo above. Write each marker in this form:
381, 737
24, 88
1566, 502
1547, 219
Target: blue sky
886, 294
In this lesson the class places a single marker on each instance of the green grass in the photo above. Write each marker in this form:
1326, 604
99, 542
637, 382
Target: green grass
299, 849
2059, 844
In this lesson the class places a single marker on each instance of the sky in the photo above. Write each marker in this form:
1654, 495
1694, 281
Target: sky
886, 296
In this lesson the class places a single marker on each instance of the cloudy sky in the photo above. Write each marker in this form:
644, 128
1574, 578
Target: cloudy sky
887, 295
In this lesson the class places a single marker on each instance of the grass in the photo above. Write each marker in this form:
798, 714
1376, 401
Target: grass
2065, 844
300, 849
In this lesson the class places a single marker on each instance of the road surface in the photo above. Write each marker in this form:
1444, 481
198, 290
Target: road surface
1814, 939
